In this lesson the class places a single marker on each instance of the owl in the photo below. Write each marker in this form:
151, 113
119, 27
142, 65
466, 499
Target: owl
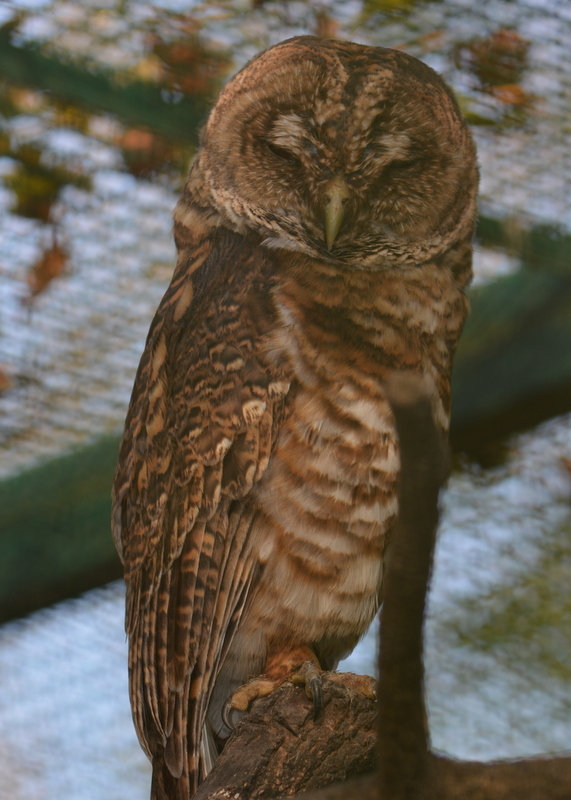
324, 241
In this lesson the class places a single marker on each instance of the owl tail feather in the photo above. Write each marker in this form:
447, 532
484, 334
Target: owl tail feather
166, 787
208, 750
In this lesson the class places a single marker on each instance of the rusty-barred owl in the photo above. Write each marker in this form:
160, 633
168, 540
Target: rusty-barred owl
324, 240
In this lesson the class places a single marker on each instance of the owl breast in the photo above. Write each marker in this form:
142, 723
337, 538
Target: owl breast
325, 508
328, 498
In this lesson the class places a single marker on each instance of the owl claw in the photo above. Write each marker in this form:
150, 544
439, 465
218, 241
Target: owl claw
316, 690
240, 699
227, 710
310, 675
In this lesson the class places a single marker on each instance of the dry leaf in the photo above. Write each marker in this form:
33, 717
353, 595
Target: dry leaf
50, 265
5, 380
326, 26
511, 94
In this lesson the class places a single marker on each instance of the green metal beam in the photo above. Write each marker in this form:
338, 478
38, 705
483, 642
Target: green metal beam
135, 103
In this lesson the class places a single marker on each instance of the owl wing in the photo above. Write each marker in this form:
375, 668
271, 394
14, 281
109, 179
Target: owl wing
204, 414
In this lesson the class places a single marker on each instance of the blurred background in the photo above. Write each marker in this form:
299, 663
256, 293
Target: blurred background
100, 104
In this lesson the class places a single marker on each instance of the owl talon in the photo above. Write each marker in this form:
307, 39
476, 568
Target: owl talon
316, 690
240, 699
227, 710
310, 674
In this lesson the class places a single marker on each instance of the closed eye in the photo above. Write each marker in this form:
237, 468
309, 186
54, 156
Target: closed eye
281, 152
400, 167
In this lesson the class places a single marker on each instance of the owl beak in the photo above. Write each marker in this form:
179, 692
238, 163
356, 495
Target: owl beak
336, 194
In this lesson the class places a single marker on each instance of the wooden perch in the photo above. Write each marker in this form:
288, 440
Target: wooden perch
279, 750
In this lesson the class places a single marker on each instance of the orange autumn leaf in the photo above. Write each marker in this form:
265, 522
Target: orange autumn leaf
432, 42
189, 67
511, 94
326, 26
145, 152
136, 139
50, 265
497, 60
5, 381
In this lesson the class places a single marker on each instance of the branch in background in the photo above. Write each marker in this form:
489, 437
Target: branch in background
405, 769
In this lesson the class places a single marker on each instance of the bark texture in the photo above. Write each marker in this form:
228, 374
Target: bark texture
278, 749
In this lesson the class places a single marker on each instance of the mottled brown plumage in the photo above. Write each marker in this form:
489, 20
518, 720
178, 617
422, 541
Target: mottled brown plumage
324, 240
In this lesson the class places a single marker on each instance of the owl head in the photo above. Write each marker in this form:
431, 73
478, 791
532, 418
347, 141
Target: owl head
344, 152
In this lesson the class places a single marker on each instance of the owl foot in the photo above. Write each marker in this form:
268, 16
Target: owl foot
298, 665
363, 684
314, 678
310, 675
240, 699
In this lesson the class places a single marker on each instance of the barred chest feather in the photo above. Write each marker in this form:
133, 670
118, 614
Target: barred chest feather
328, 499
